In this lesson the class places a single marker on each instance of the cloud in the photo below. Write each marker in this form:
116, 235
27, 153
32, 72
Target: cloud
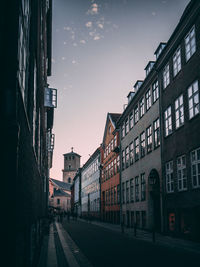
97, 37
82, 41
64, 43
63, 58
153, 13
88, 24
74, 61
93, 10
100, 25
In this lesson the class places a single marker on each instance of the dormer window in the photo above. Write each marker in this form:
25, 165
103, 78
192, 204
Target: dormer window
149, 67
130, 96
50, 97
159, 49
137, 85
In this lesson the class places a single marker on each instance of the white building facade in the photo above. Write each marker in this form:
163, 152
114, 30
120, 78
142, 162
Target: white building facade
90, 186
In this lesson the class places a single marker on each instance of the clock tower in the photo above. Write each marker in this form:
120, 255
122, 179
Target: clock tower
71, 165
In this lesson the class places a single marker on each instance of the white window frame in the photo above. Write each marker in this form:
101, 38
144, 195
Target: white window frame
195, 167
190, 44
177, 61
142, 111
169, 177
193, 99
148, 99
181, 173
166, 76
155, 91
168, 121
179, 111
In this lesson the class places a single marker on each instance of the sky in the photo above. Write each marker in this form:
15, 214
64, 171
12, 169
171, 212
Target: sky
100, 49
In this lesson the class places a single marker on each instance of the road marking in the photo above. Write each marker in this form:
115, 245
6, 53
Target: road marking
51, 258
68, 254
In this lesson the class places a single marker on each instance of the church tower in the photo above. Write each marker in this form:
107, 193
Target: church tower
71, 165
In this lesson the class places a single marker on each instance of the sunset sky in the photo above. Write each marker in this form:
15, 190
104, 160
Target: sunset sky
100, 49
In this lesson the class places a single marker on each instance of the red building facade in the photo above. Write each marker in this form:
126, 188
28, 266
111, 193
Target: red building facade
110, 177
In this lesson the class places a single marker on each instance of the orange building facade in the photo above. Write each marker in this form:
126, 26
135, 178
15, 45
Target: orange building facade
110, 175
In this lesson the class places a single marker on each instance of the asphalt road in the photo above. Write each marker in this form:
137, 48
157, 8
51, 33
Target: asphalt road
104, 247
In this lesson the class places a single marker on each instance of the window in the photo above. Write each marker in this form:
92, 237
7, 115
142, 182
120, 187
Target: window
127, 191
168, 121
127, 156
112, 145
69, 180
190, 44
108, 148
181, 173
177, 61
118, 163
193, 98
169, 177
123, 160
137, 188
179, 111
166, 76
58, 201
126, 126
156, 128
142, 144
136, 115
131, 120
123, 193
155, 91
195, 166
111, 169
115, 141
131, 153
149, 139
115, 166
136, 145
143, 187
123, 130
148, 99
141, 107
131, 191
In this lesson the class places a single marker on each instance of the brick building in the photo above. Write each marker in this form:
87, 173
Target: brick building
179, 79
27, 121
110, 179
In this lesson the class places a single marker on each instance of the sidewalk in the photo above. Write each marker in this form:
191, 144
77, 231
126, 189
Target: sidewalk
147, 236
59, 250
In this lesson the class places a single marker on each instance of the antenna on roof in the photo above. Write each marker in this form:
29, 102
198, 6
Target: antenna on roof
72, 149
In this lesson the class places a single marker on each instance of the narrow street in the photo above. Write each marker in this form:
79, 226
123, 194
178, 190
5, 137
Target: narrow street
104, 247
78, 243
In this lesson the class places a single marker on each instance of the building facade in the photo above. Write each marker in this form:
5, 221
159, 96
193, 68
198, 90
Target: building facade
71, 165
90, 187
140, 155
77, 193
179, 79
27, 107
110, 179
59, 195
